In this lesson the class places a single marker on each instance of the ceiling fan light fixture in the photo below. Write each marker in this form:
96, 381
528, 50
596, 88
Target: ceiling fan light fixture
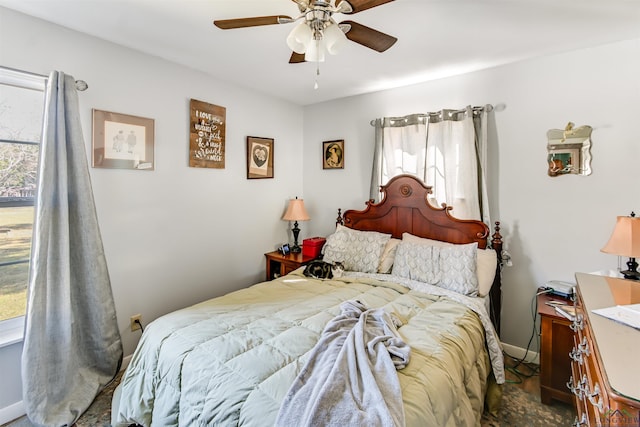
299, 38
334, 38
318, 33
315, 51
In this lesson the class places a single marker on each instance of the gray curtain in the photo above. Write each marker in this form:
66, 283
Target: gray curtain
376, 171
446, 149
72, 346
480, 124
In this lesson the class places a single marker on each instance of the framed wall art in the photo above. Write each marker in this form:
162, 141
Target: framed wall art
333, 154
207, 134
121, 141
259, 157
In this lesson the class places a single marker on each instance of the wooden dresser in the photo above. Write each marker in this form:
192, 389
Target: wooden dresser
605, 363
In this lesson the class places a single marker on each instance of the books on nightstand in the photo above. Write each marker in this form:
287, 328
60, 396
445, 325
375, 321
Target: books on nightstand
567, 311
563, 309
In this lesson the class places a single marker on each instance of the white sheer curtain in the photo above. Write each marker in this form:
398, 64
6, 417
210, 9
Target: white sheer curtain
447, 150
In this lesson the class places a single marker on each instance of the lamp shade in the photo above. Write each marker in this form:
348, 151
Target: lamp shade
334, 39
625, 240
296, 211
315, 51
299, 38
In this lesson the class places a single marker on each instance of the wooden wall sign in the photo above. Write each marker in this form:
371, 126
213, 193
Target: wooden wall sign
207, 135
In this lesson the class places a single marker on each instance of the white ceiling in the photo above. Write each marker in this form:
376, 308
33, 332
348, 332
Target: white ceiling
437, 38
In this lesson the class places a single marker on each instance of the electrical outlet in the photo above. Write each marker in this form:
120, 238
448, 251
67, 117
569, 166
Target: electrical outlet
135, 326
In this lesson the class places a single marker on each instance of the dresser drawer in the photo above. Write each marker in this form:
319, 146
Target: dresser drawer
576, 385
595, 392
587, 389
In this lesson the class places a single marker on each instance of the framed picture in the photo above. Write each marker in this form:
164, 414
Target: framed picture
259, 157
333, 154
121, 141
208, 127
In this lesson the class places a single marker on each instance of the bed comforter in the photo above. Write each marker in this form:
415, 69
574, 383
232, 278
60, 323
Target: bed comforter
231, 360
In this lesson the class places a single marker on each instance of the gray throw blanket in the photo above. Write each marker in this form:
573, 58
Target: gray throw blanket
350, 378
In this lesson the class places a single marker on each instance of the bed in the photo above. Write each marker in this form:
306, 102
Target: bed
234, 360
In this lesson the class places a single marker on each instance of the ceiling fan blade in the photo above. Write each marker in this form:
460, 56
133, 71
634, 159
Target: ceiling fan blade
360, 5
296, 58
368, 37
227, 24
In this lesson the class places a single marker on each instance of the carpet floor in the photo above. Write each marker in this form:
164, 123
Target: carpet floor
521, 406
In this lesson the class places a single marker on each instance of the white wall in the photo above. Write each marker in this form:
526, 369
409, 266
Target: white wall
553, 227
177, 235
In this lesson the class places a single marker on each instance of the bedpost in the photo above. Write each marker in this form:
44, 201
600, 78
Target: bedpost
339, 220
496, 288
496, 241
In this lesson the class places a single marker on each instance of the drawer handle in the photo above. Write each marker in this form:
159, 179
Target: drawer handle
592, 398
570, 384
577, 390
576, 355
583, 347
583, 421
584, 386
577, 324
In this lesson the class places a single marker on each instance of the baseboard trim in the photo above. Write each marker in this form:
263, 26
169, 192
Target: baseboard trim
519, 353
12, 412
17, 410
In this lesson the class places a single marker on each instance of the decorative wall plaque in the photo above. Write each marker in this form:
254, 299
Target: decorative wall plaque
569, 151
207, 135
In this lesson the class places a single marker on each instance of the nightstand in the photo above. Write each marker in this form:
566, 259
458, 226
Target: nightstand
556, 342
279, 265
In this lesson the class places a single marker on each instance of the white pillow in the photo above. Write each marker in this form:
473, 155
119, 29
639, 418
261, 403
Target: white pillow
388, 255
356, 250
486, 270
487, 261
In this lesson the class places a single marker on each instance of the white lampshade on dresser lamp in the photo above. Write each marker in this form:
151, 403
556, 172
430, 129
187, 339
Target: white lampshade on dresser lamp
296, 212
625, 241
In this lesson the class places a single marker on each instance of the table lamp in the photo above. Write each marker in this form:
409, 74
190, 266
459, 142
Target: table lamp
625, 241
296, 212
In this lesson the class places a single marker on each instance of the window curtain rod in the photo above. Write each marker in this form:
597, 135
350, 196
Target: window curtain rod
477, 109
81, 85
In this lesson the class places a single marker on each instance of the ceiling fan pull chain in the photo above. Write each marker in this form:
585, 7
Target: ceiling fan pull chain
315, 86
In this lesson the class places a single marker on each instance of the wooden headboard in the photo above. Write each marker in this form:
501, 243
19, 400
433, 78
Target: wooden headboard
404, 208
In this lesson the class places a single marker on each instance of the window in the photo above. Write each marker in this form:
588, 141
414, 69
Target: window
439, 148
21, 117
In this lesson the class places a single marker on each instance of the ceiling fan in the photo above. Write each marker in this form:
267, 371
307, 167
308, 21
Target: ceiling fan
319, 32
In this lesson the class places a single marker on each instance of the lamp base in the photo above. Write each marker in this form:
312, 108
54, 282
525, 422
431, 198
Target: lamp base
295, 249
627, 274
632, 273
